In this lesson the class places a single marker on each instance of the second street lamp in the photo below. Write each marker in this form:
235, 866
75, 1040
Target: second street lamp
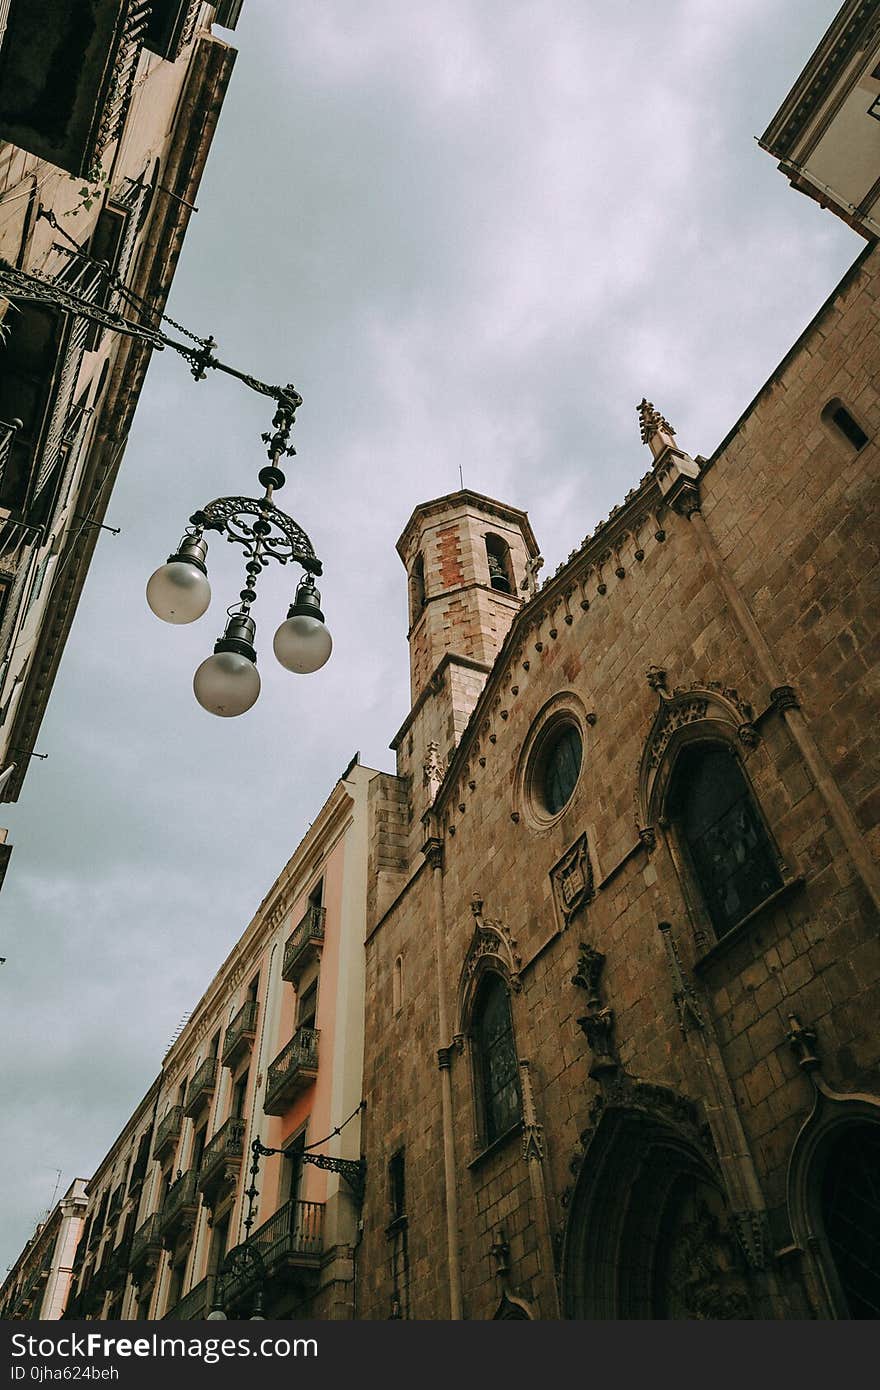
228, 683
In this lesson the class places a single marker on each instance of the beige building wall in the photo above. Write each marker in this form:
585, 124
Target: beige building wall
222, 1086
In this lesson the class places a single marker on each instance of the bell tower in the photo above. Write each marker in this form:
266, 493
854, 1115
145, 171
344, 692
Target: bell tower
470, 563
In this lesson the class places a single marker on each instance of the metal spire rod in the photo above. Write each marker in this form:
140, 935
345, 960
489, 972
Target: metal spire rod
20, 284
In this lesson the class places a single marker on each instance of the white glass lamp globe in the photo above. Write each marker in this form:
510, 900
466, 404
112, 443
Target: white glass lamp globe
228, 682
179, 591
302, 643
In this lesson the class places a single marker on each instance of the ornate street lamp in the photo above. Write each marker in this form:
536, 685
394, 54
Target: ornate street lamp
228, 683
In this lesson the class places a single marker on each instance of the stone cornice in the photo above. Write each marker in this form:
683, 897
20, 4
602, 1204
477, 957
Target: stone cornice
847, 34
464, 498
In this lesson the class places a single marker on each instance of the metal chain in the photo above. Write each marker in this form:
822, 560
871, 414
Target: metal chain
113, 280
34, 285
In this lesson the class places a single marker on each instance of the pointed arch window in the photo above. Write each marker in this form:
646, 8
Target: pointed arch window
495, 1060
417, 588
500, 568
723, 834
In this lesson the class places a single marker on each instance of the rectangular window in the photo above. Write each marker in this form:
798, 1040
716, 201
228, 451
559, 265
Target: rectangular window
239, 1094
397, 1184
308, 1007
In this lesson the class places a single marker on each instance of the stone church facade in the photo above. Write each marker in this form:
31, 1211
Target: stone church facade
623, 983
621, 1053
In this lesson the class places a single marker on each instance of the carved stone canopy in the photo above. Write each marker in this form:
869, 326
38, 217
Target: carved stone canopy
705, 710
492, 947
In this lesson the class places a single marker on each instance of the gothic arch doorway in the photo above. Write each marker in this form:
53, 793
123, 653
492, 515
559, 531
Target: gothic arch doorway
649, 1233
849, 1197
834, 1201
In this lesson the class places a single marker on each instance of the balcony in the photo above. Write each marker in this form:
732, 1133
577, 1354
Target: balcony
179, 1209
146, 1247
295, 1068
290, 1244
239, 1036
221, 1162
304, 943
168, 1133
201, 1088
192, 1306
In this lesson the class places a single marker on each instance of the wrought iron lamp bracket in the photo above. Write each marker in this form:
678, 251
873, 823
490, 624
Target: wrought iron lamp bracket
353, 1170
274, 535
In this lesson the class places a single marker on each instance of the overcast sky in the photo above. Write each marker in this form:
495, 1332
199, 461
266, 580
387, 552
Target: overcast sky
474, 233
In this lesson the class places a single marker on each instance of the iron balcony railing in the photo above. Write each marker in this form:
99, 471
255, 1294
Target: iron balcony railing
226, 1147
294, 1235
201, 1087
242, 1028
297, 1228
145, 1239
180, 1195
193, 1305
296, 1065
309, 929
168, 1131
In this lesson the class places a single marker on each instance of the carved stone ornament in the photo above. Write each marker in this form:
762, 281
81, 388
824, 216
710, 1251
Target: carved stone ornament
492, 946
784, 697
572, 880
802, 1042
719, 707
685, 997
512, 1305
589, 971
433, 770
675, 716
651, 421
598, 1028
529, 584
597, 1023
533, 1132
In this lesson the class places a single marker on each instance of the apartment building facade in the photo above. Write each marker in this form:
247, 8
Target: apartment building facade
37, 1285
273, 1053
98, 178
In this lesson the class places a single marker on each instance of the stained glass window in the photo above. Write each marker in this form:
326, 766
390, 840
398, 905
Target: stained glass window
496, 1059
562, 765
722, 827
